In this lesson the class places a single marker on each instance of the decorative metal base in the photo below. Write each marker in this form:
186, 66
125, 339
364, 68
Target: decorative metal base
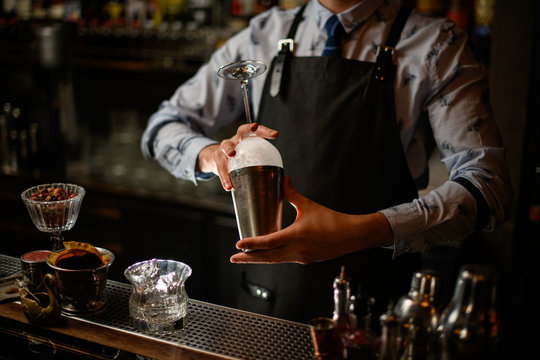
166, 328
92, 308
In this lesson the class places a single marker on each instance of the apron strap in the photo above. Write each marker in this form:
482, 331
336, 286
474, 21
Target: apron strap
385, 53
297, 19
398, 26
285, 52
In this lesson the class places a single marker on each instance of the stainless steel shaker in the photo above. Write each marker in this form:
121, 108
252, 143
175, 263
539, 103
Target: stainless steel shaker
470, 325
419, 317
33, 268
256, 172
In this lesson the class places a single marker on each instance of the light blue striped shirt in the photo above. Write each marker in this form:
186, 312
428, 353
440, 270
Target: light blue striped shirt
437, 75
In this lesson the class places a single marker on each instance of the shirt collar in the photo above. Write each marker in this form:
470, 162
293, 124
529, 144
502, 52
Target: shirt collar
351, 19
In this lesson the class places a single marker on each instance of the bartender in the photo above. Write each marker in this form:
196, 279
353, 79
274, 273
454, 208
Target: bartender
355, 102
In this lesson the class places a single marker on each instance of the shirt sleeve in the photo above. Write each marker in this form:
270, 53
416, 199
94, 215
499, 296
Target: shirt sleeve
467, 137
184, 124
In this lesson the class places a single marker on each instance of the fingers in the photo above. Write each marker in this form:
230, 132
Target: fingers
228, 146
228, 149
259, 243
261, 256
223, 173
259, 130
293, 196
266, 132
288, 190
245, 130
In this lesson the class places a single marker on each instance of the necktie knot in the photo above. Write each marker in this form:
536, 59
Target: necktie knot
332, 47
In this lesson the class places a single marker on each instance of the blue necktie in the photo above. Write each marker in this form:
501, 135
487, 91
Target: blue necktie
333, 42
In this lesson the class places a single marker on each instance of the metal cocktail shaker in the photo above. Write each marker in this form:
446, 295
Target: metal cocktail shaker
418, 314
470, 325
256, 172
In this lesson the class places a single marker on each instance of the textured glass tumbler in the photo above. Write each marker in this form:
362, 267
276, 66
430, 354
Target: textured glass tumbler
158, 302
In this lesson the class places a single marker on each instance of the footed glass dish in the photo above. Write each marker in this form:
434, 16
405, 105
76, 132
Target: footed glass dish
54, 208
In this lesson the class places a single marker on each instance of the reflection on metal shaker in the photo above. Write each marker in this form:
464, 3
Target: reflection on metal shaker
258, 199
256, 172
418, 312
470, 324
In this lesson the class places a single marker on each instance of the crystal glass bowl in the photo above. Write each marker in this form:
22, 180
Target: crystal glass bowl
54, 216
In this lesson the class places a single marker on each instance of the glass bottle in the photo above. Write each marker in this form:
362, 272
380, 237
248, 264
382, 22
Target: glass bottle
359, 341
342, 297
470, 326
419, 317
389, 335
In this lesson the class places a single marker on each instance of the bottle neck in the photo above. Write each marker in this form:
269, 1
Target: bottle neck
389, 341
341, 315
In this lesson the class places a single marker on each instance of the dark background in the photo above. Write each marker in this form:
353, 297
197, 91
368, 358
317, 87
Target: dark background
146, 213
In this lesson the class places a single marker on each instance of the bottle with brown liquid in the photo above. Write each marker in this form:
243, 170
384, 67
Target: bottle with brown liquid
359, 340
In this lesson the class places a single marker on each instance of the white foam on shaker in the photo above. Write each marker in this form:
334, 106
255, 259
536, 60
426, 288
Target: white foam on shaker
255, 151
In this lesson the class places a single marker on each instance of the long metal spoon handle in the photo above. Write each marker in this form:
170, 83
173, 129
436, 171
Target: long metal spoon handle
243, 85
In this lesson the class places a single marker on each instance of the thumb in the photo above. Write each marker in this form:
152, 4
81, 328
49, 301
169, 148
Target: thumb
293, 196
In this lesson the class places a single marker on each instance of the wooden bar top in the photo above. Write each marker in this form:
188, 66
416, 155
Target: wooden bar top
126, 341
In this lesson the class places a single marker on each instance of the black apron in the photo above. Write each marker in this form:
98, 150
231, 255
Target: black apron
340, 144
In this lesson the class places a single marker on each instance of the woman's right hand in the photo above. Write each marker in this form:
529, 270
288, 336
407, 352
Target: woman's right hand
215, 158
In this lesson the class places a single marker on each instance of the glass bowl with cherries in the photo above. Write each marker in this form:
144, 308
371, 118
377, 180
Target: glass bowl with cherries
54, 208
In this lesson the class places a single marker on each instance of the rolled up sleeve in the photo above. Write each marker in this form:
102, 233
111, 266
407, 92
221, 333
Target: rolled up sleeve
464, 129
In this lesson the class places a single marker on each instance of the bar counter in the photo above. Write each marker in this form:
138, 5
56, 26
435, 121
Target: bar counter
212, 332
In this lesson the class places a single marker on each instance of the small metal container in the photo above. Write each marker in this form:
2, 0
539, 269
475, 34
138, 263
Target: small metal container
34, 268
